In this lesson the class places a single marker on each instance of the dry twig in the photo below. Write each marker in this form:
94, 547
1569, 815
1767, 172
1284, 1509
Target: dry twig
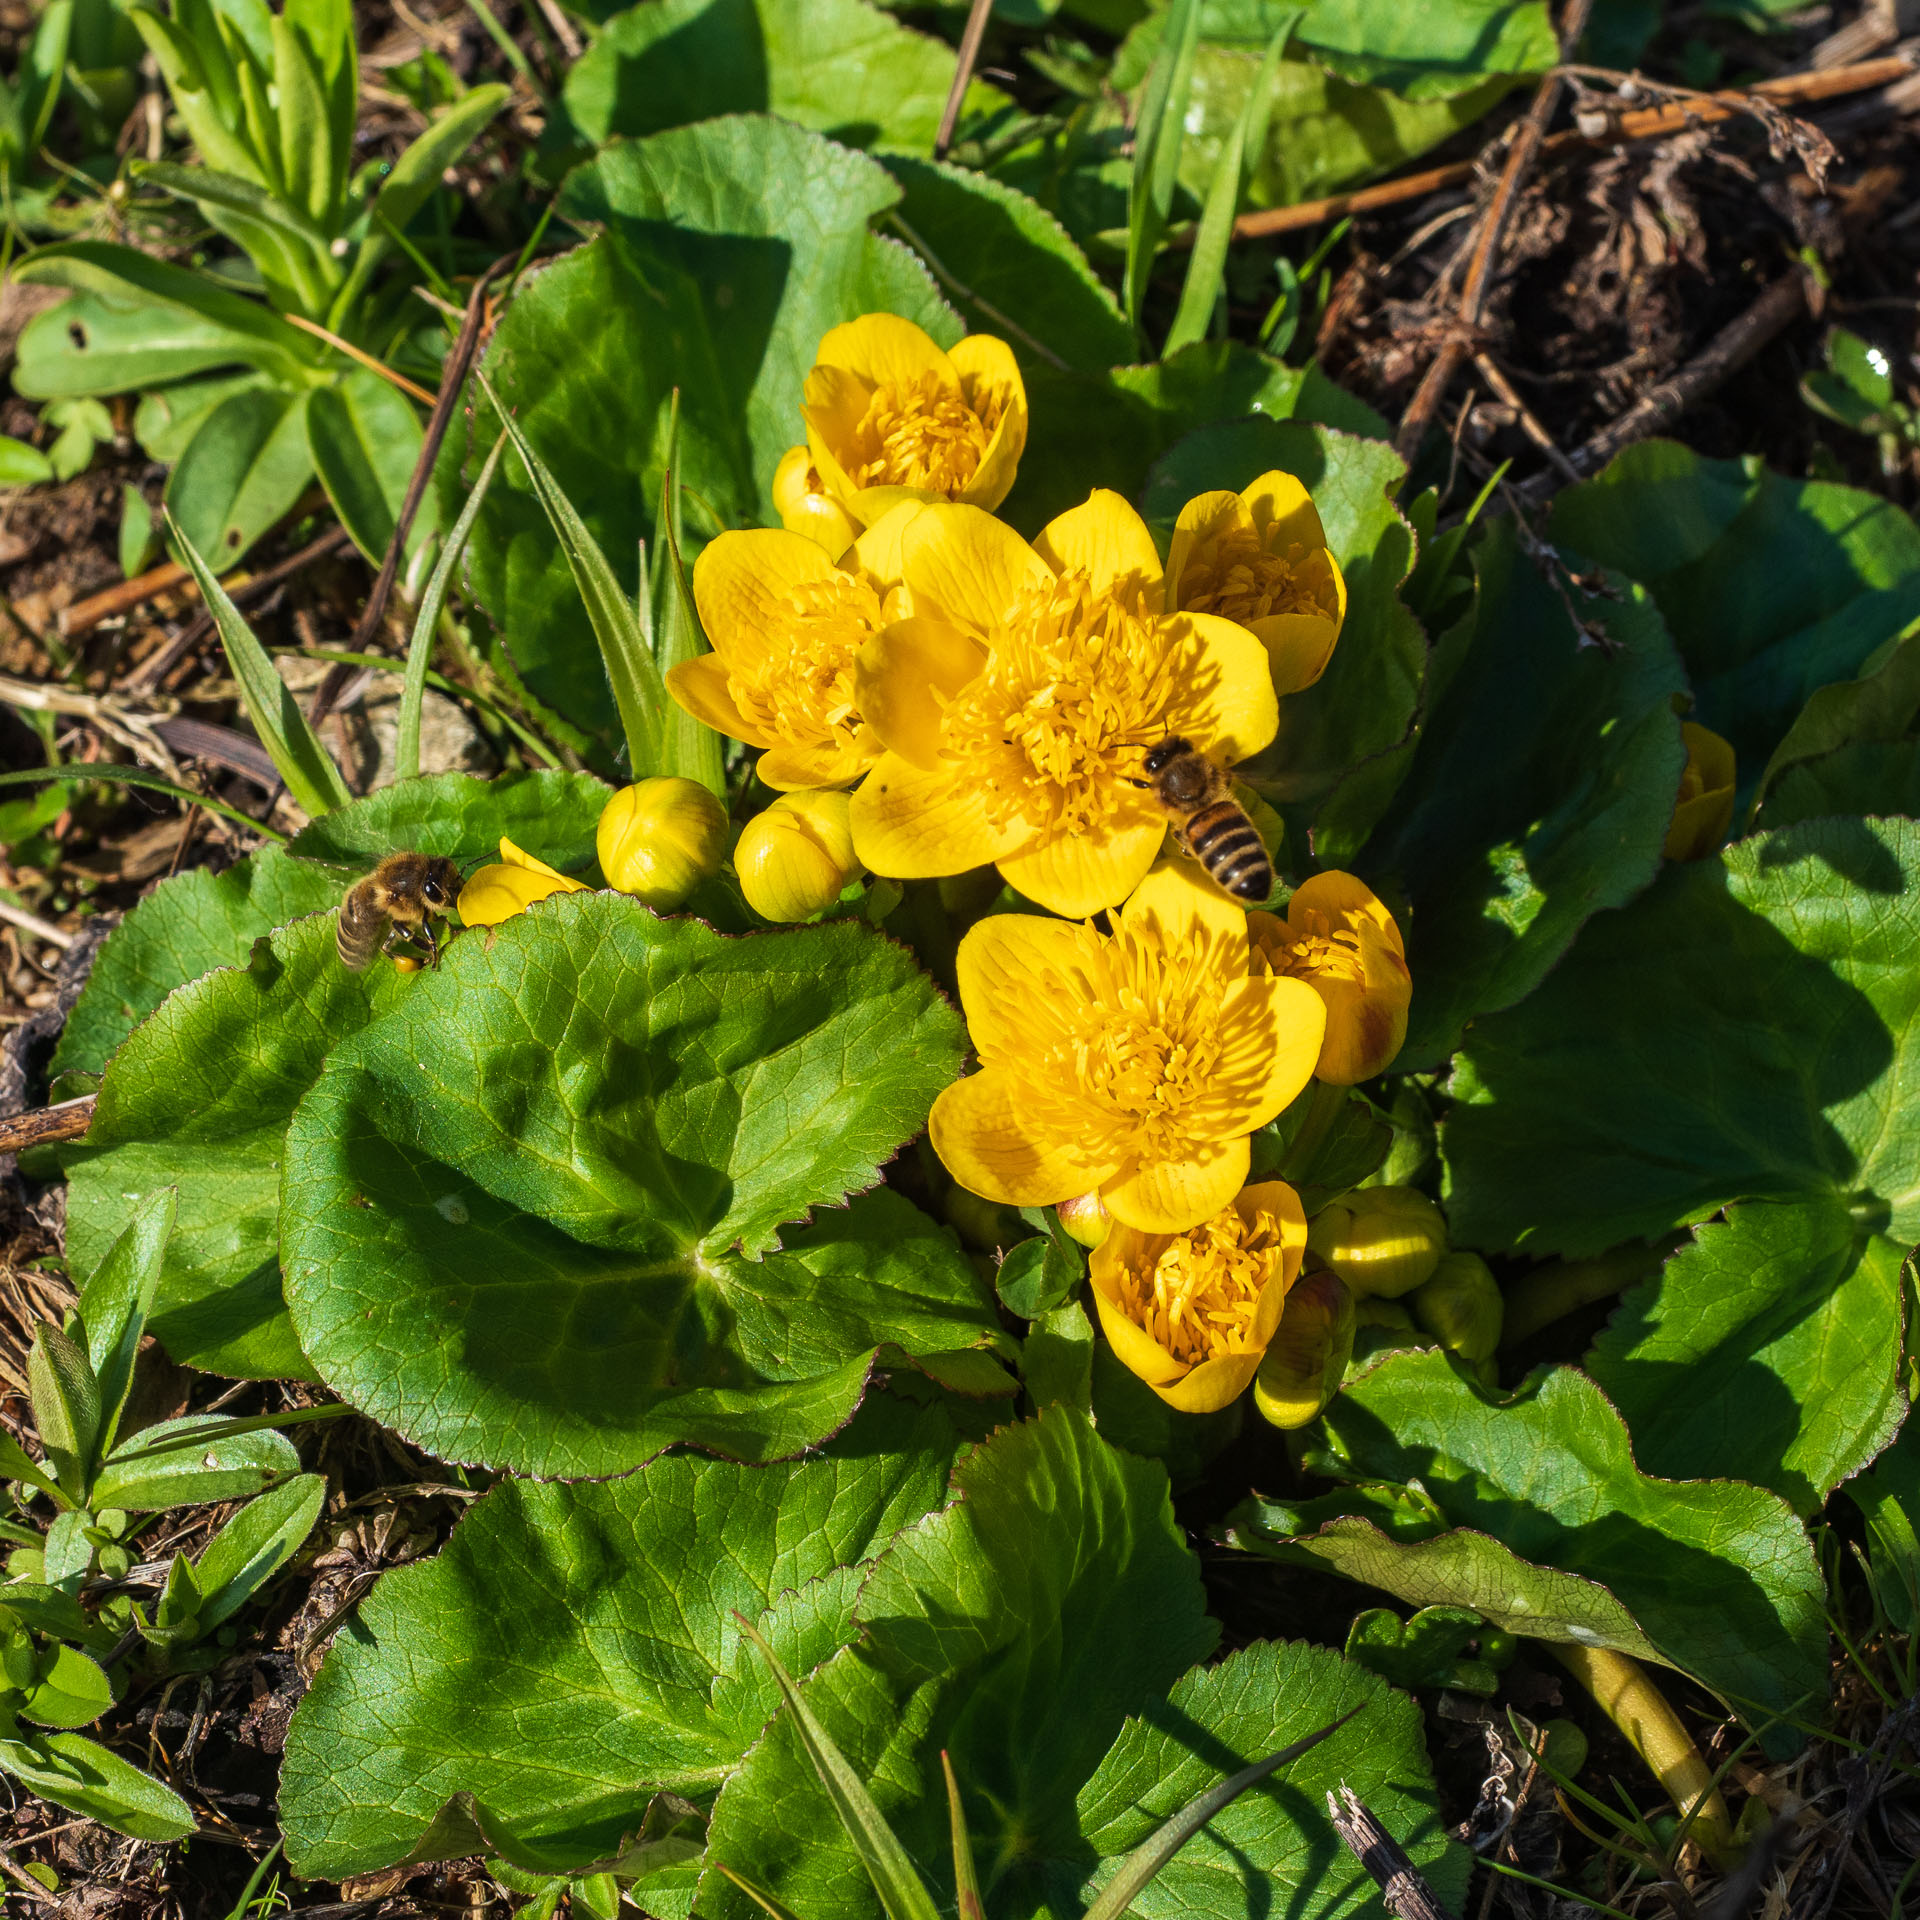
1403, 1891
47, 1125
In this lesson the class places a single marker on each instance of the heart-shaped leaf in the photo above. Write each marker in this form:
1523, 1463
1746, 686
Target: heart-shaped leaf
546, 1216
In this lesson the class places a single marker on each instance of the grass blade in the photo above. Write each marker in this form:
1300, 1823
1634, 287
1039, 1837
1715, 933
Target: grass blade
900, 1888
420, 646
764, 1901
638, 690
1152, 1854
1207, 267
966, 1877
691, 747
304, 764
80, 776
1157, 140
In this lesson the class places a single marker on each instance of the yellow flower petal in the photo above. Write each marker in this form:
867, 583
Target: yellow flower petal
981, 1133
912, 824
741, 581
963, 566
1136, 1349
1342, 943
989, 374
1105, 539
1278, 501
876, 554
1201, 519
1009, 960
1270, 1045
497, 893
1182, 905
905, 675
791, 769
1705, 809
1175, 1195
1299, 647
700, 686
882, 349
513, 856
1080, 874
1224, 700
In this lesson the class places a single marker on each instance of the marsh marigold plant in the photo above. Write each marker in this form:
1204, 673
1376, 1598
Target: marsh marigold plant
496, 893
1017, 703
892, 417
1192, 1313
1132, 1064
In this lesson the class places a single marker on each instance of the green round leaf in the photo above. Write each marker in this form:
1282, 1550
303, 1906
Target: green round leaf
544, 1217
1744, 1030
574, 1650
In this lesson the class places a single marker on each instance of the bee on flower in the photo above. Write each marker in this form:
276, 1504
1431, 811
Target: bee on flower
1018, 703
1193, 1313
891, 417
786, 625
1132, 1065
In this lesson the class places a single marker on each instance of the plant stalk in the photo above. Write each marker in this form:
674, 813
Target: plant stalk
1629, 1699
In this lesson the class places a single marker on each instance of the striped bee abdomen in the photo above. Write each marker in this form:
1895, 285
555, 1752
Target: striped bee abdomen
361, 924
1227, 844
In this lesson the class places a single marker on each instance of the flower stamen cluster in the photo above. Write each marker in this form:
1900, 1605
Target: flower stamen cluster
922, 434
1248, 574
804, 692
1200, 1298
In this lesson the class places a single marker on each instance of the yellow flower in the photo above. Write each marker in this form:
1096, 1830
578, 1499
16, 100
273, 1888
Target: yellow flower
806, 507
1260, 557
1705, 809
659, 838
890, 417
1191, 1313
1343, 943
498, 893
1132, 1065
786, 624
1018, 702
795, 859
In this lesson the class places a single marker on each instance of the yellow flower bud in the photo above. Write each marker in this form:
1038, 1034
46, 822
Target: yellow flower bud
660, 838
805, 507
1086, 1219
1704, 811
498, 893
1307, 1357
795, 859
1461, 1306
1383, 1240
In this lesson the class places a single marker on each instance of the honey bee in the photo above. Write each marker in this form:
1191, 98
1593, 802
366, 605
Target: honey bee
395, 906
1209, 822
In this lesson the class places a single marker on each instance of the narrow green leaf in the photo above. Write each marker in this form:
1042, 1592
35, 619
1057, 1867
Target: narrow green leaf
87, 1778
691, 748
1207, 266
68, 1553
420, 646
242, 472
1146, 1860
22, 465
900, 1888
42, 72
966, 1877
78, 776
17, 1464
1157, 140
364, 439
115, 1303
304, 764
228, 1469
764, 1901
306, 126
206, 92
136, 531
412, 178
66, 1405
255, 1544
638, 689
73, 1692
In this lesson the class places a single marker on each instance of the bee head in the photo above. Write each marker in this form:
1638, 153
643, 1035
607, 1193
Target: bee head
441, 885
1166, 751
